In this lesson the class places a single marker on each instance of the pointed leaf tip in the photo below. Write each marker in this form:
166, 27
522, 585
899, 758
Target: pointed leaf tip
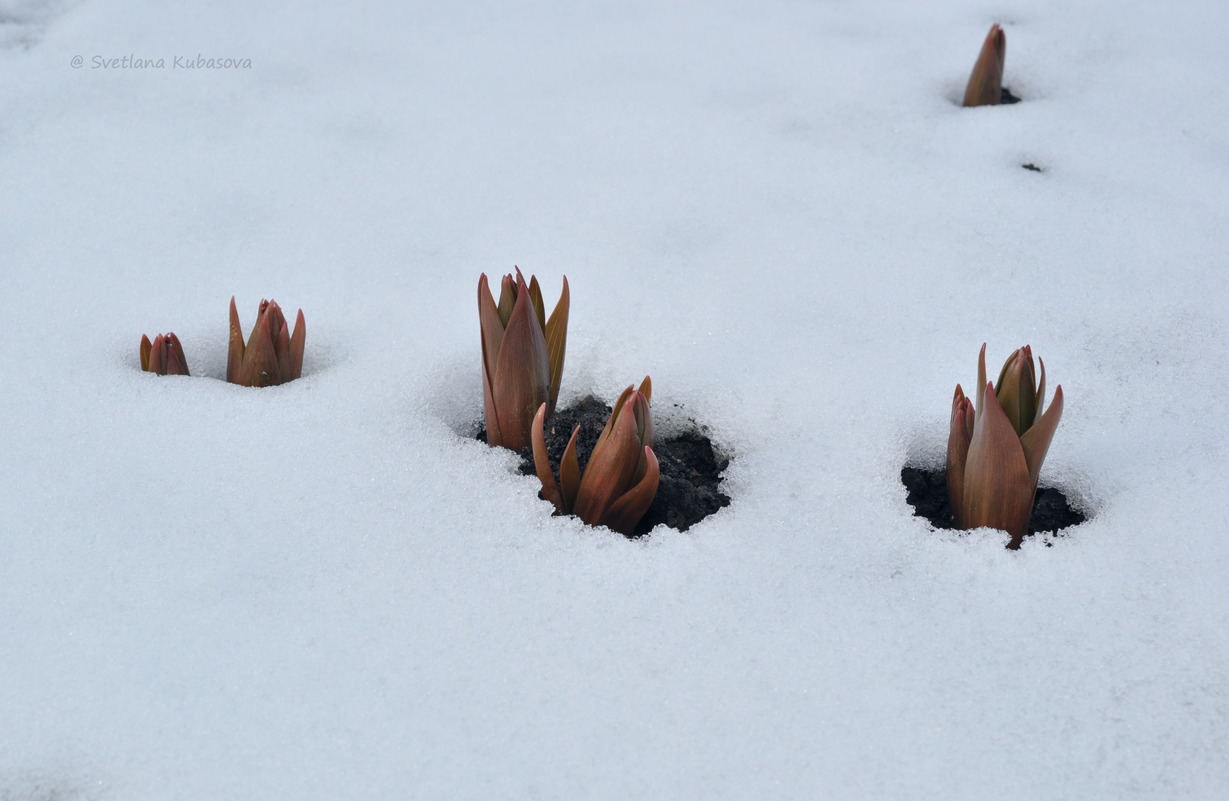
985, 87
541, 462
176, 362
556, 341
981, 378
1035, 443
234, 356
298, 341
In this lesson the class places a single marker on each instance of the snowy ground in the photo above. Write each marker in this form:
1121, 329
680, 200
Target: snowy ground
323, 591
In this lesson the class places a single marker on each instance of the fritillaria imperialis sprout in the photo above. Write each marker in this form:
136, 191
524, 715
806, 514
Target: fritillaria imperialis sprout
621, 478
986, 83
163, 356
272, 355
522, 356
994, 453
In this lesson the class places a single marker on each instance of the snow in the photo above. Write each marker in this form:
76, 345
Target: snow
326, 590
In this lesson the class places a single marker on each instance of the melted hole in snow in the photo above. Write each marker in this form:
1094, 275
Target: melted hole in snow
691, 467
927, 493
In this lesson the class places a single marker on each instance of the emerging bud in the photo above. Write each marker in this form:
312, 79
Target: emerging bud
272, 355
621, 478
1017, 390
522, 356
995, 452
986, 83
163, 356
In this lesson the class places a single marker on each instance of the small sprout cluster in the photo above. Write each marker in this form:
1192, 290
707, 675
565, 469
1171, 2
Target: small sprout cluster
522, 368
163, 356
273, 354
522, 356
620, 481
995, 448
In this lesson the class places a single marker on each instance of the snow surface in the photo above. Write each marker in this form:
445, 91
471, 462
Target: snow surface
326, 590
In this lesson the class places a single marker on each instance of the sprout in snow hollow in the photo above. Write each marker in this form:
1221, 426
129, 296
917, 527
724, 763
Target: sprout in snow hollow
272, 355
986, 83
994, 453
163, 356
522, 356
621, 478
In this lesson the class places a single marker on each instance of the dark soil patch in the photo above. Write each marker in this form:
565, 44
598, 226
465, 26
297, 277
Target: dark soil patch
1032, 167
1006, 98
690, 467
927, 494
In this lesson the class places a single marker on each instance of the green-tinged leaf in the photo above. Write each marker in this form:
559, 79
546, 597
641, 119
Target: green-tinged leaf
146, 348
644, 415
1008, 364
557, 340
539, 307
997, 492
644, 429
507, 298
613, 419
1036, 441
541, 462
1041, 391
1017, 389
981, 378
626, 511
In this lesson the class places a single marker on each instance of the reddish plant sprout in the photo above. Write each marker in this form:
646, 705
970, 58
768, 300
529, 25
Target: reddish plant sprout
522, 356
995, 449
621, 478
985, 87
163, 356
273, 355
